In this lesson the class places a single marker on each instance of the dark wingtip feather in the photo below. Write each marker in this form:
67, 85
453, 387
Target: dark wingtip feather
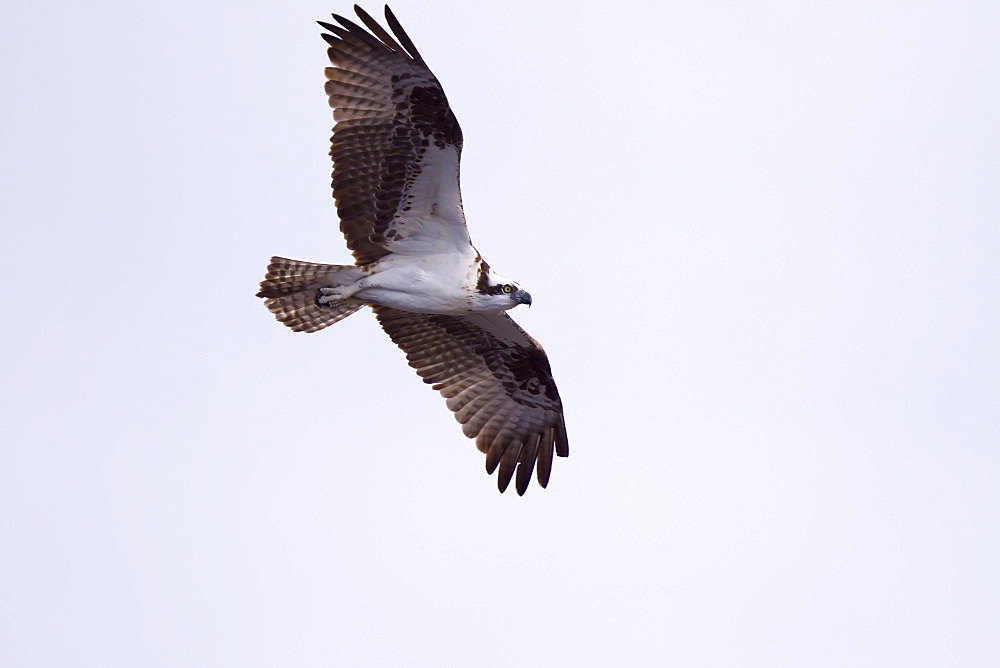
378, 30
404, 39
338, 18
524, 471
341, 20
503, 481
545, 458
507, 465
526, 463
493, 454
562, 440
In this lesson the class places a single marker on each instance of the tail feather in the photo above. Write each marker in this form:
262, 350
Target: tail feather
289, 292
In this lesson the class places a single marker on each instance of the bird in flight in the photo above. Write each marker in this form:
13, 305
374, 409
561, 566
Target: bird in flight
396, 148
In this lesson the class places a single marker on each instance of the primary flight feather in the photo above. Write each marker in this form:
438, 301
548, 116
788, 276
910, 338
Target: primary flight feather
396, 148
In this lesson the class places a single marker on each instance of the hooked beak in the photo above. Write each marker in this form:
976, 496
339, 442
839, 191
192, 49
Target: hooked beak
523, 297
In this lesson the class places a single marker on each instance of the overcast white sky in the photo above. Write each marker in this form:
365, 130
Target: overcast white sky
763, 246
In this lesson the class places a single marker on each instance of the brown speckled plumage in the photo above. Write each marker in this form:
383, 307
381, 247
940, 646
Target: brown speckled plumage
396, 147
498, 384
389, 107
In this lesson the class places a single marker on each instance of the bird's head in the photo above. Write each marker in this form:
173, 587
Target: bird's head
494, 292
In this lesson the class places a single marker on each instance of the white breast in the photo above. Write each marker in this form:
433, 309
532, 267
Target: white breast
437, 283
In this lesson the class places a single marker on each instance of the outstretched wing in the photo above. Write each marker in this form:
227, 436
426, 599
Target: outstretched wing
396, 144
497, 381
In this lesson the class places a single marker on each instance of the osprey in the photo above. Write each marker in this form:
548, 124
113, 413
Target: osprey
396, 146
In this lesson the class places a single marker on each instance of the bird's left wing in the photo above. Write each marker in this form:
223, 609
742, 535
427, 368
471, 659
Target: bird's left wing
497, 381
396, 144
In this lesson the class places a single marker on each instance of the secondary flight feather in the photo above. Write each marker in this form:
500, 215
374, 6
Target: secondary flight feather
396, 148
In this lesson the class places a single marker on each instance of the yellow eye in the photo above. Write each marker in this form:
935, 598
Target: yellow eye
507, 289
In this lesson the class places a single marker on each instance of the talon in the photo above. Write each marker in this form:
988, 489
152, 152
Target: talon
327, 296
324, 296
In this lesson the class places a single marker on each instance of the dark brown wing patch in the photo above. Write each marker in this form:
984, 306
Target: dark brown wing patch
497, 381
389, 108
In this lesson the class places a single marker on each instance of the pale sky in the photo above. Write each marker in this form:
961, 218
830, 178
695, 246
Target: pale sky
762, 241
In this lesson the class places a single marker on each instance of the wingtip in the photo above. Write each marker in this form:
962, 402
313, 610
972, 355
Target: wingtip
523, 478
503, 482
562, 439
362, 14
336, 17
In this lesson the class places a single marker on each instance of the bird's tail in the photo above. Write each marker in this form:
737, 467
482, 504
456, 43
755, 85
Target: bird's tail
289, 292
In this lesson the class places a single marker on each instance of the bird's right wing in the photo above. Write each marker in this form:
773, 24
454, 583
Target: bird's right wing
497, 381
